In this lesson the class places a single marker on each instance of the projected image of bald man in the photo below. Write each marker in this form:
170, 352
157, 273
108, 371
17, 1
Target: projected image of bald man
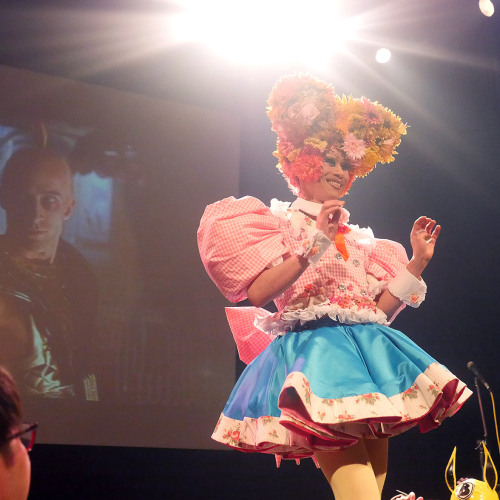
48, 292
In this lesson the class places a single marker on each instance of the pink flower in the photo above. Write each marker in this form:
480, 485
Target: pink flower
354, 148
345, 417
309, 112
372, 115
285, 147
294, 111
286, 168
343, 229
287, 88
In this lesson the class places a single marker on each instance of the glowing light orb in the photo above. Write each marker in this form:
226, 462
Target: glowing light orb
486, 7
383, 55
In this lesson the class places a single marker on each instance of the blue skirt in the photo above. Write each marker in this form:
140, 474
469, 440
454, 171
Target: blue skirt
327, 386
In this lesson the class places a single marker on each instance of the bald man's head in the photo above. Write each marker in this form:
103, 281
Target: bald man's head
36, 191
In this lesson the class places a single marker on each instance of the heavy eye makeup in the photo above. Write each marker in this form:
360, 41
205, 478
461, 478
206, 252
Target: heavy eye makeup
344, 164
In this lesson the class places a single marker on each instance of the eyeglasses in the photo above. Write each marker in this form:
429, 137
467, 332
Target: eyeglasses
26, 433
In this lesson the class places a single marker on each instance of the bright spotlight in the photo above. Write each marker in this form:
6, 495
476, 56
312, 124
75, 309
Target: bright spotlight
383, 55
267, 31
486, 7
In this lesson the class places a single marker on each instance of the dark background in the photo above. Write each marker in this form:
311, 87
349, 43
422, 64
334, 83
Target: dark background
445, 83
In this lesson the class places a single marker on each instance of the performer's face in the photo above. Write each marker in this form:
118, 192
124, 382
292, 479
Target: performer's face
15, 471
332, 183
42, 202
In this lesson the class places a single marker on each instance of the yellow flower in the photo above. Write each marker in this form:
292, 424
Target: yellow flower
316, 143
292, 156
313, 123
372, 156
349, 113
401, 128
387, 149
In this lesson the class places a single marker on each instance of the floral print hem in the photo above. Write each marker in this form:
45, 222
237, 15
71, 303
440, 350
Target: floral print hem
310, 423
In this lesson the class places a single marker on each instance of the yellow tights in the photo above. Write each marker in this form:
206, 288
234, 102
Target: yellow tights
358, 471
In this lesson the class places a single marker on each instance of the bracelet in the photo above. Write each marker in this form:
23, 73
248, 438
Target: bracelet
408, 288
314, 246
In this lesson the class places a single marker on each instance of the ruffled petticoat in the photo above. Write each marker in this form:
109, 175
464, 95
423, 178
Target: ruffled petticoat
325, 387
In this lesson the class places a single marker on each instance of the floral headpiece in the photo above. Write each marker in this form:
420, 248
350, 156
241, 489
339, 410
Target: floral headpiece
314, 124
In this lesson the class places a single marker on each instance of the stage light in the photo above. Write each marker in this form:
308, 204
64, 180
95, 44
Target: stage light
383, 55
486, 7
266, 31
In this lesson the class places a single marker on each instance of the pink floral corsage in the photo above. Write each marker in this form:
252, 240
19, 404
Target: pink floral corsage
314, 246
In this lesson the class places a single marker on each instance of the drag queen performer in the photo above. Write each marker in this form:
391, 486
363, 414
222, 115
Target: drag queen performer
326, 376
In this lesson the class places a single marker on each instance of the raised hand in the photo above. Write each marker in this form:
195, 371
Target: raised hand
423, 237
329, 216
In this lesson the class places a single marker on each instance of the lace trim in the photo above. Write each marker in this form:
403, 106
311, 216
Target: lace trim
280, 323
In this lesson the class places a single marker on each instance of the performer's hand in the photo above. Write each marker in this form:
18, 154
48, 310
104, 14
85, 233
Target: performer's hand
409, 496
423, 237
329, 216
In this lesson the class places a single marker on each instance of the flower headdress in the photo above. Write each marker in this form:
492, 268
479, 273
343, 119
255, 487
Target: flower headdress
313, 124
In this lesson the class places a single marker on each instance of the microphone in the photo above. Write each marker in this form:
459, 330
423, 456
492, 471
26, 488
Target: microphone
472, 367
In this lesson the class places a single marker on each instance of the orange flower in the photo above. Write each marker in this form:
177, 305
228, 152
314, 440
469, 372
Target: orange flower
311, 121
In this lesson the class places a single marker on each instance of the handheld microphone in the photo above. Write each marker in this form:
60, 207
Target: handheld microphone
472, 367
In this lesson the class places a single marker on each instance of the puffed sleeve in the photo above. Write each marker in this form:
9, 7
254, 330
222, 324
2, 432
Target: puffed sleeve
385, 261
237, 240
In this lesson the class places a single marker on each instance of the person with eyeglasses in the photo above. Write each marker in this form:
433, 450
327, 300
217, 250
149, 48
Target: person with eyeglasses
16, 440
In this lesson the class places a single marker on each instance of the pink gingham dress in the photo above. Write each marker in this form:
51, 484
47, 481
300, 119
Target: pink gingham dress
326, 369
